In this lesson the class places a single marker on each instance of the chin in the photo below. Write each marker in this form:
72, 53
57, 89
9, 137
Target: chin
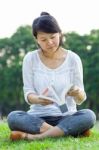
54, 49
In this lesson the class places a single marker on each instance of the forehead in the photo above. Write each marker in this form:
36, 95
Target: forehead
44, 35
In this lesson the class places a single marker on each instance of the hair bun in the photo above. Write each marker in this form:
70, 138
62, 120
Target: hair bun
44, 13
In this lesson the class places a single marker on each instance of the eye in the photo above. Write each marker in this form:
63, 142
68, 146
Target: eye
43, 40
52, 37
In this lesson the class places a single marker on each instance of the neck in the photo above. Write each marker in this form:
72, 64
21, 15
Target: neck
53, 55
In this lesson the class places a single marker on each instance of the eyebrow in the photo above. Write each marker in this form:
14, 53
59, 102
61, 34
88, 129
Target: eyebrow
42, 38
52, 34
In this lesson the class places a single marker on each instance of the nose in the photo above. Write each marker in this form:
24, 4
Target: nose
50, 42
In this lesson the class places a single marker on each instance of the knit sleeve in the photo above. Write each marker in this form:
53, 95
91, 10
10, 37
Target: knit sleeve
78, 76
27, 73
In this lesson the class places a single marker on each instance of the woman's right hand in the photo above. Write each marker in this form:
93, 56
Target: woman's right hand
35, 99
44, 101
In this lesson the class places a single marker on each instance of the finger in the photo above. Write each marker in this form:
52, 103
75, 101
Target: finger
73, 93
48, 102
45, 92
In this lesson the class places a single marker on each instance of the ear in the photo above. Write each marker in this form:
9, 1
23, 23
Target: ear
61, 39
37, 41
60, 34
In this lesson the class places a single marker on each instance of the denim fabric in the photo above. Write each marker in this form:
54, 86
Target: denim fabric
22, 121
77, 123
74, 124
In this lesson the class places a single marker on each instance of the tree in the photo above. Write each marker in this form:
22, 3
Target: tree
12, 51
87, 47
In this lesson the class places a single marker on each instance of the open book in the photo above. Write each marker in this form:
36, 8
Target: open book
60, 100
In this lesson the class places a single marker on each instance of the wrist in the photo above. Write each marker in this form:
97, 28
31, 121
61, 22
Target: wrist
33, 98
80, 97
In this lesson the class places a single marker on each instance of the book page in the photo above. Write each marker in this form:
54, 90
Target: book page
58, 99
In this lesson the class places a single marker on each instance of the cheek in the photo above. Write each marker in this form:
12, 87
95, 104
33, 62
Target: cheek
57, 41
41, 44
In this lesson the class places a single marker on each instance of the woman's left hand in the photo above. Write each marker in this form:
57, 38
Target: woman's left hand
76, 92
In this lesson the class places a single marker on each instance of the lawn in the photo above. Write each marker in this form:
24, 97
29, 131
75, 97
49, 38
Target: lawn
63, 143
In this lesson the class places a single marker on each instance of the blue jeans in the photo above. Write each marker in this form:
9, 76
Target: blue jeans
74, 124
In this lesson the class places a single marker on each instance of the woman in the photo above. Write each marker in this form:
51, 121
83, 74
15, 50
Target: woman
51, 65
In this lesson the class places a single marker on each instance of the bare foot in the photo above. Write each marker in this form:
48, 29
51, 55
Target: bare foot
52, 132
45, 126
33, 137
19, 135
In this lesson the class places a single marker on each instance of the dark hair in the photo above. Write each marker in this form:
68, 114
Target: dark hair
45, 23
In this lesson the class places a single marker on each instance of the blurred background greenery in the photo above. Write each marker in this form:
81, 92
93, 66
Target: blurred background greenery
12, 51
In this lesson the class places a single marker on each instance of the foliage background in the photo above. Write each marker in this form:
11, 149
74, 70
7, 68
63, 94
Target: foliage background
12, 51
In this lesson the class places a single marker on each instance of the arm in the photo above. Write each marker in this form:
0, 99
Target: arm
78, 94
34, 99
30, 94
77, 91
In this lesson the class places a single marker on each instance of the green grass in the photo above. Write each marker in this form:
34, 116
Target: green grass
63, 143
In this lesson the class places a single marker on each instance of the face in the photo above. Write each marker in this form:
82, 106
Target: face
49, 42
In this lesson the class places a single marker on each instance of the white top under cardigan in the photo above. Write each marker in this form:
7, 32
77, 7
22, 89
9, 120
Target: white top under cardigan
37, 76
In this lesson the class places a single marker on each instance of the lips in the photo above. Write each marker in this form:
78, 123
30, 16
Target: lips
50, 47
